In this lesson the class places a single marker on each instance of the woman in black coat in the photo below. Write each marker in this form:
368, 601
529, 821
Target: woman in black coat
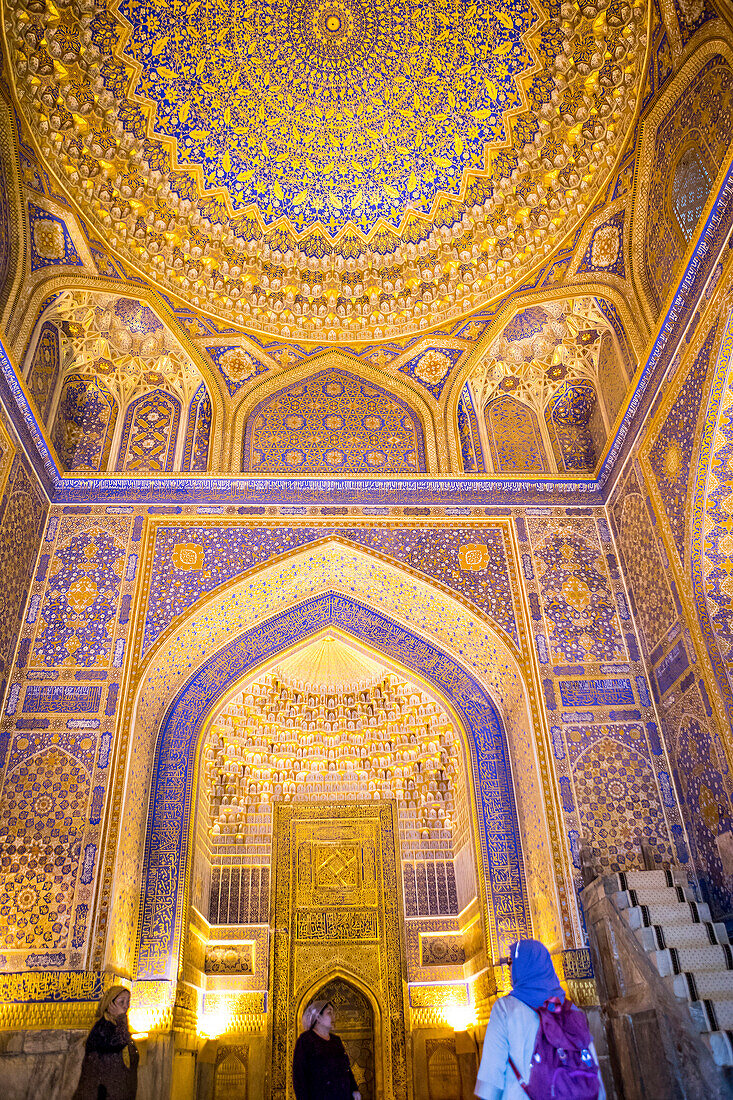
109, 1069
321, 1067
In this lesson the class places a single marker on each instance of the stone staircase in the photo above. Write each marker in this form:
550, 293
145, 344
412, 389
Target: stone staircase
689, 950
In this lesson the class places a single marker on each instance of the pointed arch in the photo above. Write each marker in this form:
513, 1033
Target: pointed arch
150, 433
177, 750
444, 643
198, 432
318, 980
401, 388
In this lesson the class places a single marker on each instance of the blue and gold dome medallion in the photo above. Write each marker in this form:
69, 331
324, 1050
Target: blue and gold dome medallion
330, 170
331, 111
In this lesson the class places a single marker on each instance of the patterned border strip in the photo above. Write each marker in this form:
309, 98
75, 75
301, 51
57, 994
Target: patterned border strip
697, 540
710, 243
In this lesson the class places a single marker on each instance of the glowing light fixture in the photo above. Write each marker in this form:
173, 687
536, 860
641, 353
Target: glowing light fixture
459, 1016
142, 1022
214, 1024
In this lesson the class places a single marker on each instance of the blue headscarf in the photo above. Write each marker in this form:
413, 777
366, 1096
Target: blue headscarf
533, 975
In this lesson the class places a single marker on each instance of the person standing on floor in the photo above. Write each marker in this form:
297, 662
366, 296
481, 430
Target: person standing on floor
321, 1067
537, 1043
109, 1068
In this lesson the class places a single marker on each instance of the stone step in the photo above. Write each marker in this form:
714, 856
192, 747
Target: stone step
637, 880
676, 960
643, 916
652, 895
656, 938
721, 1046
703, 983
712, 1013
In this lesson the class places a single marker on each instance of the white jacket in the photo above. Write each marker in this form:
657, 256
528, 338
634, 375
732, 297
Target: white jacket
512, 1031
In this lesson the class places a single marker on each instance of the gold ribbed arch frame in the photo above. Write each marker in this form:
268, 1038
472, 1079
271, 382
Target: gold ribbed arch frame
27, 333
511, 680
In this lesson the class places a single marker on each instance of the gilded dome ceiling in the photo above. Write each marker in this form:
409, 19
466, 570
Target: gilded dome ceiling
330, 169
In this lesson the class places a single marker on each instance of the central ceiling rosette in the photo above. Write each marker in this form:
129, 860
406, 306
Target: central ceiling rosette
334, 171
330, 111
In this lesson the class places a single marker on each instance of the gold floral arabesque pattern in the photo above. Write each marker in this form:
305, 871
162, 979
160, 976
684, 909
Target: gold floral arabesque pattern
379, 195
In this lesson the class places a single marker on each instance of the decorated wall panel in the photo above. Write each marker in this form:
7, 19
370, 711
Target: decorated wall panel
43, 373
647, 579
514, 438
579, 608
57, 735
6, 243
198, 433
43, 815
83, 426
150, 434
671, 452
77, 627
596, 690
659, 516
23, 512
568, 419
612, 380
192, 559
619, 804
334, 422
472, 457
710, 543
80, 602
702, 776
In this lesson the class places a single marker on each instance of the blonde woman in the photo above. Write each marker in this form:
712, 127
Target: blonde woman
109, 1069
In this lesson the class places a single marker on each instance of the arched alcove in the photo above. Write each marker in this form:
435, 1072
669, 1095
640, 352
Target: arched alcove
356, 1023
149, 433
334, 422
694, 109
514, 437
400, 388
168, 835
84, 424
689, 192
198, 433
547, 382
294, 596
167, 399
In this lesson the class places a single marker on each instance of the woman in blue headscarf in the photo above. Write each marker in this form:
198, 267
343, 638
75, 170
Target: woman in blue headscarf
514, 1023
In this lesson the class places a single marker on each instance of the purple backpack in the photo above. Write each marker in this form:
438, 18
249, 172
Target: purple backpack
562, 1064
